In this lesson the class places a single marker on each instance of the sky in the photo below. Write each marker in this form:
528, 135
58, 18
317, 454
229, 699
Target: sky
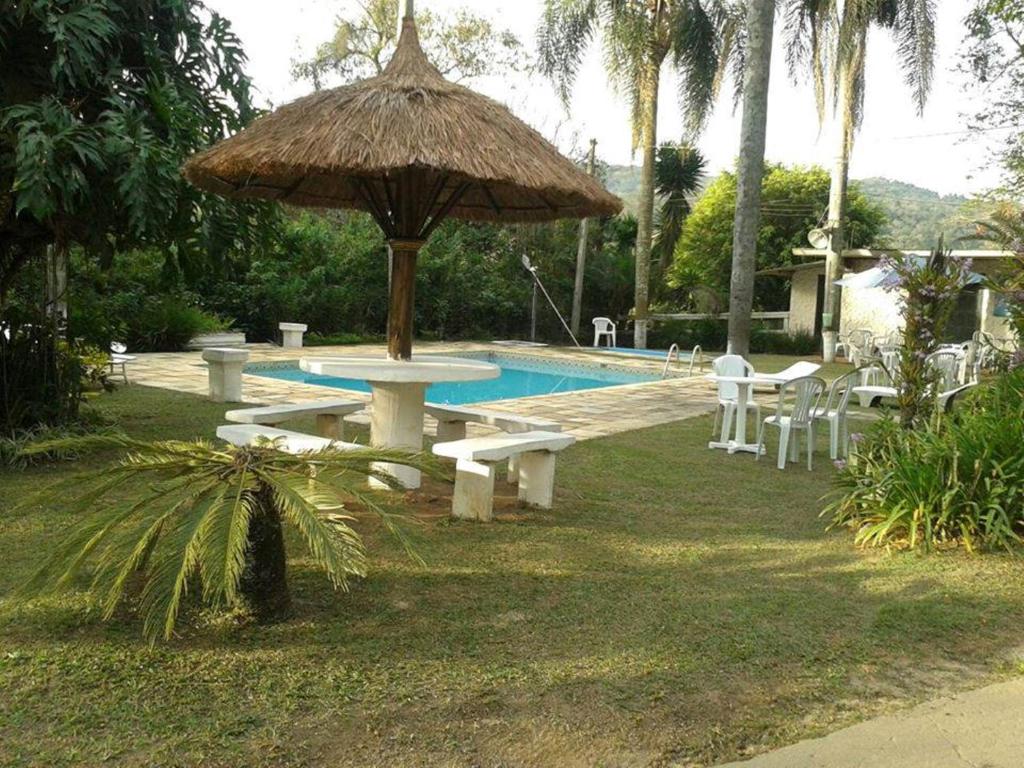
931, 150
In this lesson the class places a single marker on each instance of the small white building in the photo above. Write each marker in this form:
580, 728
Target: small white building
877, 309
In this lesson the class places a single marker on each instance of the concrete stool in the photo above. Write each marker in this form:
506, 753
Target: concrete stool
225, 373
291, 335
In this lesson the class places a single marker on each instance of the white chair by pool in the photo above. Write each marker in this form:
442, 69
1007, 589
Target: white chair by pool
834, 413
728, 393
798, 401
604, 328
118, 359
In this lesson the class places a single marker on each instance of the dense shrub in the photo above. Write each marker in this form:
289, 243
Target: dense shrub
41, 377
957, 478
712, 334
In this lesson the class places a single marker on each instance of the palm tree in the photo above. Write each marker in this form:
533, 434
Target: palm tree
760, 27
639, 37
830, 36
678, 175
171, 512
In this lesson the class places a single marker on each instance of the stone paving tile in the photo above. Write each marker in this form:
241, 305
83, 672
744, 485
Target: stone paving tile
585, 413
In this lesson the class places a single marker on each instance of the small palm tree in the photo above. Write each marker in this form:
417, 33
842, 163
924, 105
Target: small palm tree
169, 513
678, 174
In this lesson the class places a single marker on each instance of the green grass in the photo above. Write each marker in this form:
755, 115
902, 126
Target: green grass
677, 607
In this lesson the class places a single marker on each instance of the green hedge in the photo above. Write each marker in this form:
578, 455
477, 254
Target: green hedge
712, 334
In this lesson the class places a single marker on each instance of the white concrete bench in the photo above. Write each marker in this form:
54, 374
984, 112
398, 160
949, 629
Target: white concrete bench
476, 462
330, 415
225, 373
291, 334
452, 421
291, 442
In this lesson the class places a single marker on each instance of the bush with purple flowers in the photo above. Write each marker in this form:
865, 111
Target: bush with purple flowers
930, 288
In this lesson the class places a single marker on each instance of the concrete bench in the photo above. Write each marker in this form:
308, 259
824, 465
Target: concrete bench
476, 462
452, 421
291, 334
225, 373
330, 415
243, 435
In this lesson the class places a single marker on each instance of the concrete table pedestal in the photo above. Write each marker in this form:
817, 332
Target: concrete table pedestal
225, 373
291, 335
398, 395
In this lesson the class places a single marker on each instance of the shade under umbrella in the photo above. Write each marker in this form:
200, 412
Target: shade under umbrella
411, 149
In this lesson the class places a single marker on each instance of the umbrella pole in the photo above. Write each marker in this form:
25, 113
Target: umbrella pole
403, 296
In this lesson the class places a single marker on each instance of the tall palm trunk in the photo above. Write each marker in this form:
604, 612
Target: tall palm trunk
645, 215
581, 254
760, 28
850, 68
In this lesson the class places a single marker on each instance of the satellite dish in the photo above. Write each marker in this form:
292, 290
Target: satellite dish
818, 238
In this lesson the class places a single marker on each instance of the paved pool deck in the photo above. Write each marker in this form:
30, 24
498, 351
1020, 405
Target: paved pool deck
978, 729
584, 413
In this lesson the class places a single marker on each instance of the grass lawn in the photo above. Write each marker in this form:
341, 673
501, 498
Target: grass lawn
677, 607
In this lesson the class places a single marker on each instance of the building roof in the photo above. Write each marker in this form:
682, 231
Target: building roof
878, 253
792, 268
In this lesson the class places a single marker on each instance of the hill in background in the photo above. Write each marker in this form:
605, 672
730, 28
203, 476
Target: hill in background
916, 215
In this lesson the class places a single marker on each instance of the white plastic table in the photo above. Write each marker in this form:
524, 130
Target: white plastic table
398, 393
743, 384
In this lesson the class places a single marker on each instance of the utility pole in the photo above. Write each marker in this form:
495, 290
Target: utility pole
581, 254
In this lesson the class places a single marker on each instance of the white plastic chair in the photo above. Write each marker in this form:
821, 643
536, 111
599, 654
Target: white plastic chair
729, 393
798, 401
604, 328
834, 413
118, 359
947, 366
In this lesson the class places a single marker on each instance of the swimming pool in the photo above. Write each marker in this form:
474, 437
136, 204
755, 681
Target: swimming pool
659, 353
521, 376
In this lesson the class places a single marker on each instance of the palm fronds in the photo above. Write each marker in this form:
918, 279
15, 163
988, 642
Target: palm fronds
172, 513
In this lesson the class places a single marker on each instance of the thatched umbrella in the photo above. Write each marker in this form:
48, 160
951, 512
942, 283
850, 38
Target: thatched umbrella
411, 149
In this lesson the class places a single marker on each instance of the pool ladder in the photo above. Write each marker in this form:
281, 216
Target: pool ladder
696, 356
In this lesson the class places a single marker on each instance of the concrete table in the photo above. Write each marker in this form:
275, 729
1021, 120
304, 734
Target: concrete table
399, 389
743, 385
291, 334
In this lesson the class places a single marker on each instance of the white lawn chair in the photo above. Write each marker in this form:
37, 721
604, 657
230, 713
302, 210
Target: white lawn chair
604, 328
795, 371
834, 412
729, 394
947, 366
118, 359
798, 401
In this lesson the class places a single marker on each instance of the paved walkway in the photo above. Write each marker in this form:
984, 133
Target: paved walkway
979, 729
584, 413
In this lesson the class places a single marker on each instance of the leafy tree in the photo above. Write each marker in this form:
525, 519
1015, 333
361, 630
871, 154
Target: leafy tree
462, 47
211, 516
100, 102
995, 60
639, 37
829, 37
792, 201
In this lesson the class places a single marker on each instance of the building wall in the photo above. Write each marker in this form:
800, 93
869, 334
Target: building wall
873, 309
803, 301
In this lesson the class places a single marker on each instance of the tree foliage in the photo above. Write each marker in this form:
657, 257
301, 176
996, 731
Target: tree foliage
995, 62
463, 47
793, 200
100, 103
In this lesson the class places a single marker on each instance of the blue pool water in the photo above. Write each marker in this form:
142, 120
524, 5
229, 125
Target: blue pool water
519, 378
660, 353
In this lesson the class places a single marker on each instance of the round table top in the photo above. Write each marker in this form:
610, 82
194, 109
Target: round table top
419, 370
762, 378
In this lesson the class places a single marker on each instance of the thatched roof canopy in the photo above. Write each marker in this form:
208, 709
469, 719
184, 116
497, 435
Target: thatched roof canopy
405, 138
